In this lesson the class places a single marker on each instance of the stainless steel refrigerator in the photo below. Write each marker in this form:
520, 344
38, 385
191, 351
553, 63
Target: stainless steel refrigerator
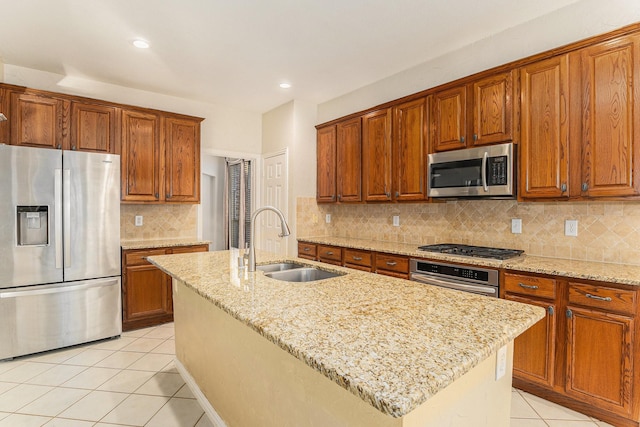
59, 249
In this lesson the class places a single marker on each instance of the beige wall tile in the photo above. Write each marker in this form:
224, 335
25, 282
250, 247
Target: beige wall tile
607, 231
159, 221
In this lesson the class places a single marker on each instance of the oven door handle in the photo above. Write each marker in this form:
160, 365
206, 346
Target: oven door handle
421, 278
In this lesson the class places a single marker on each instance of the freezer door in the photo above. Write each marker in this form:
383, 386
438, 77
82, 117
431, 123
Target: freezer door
30, 216
91, 205
41, 318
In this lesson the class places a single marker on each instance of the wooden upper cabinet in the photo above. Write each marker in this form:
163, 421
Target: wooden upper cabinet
349, 161
478, 113
140, 159
5, 104
609, 113
326, 169
410, 150
39, 121
376, 156
493, 109
93, 127
182, 160
449, 119
544, 131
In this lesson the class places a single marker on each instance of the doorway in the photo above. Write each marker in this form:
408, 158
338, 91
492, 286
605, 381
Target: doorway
275, 193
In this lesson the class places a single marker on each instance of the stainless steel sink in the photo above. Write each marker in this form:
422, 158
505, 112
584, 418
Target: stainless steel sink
305, 274
279, 266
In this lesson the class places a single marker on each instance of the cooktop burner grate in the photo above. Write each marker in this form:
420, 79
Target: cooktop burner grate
473, 251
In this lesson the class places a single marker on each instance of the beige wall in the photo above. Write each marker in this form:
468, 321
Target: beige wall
575, 22
607, 232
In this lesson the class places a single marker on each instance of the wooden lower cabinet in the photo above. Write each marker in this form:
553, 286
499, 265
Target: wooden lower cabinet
583, 354
392, 265
307, 250
146, 291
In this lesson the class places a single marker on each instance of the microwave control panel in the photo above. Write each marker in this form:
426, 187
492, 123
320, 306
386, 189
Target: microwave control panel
498, 170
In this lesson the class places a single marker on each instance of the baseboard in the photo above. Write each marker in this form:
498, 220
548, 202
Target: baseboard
215, 419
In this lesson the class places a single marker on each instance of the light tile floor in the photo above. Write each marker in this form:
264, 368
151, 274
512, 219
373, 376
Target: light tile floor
131, 381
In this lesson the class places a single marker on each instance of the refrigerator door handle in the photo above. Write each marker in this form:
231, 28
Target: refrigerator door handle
66, 203
57, 226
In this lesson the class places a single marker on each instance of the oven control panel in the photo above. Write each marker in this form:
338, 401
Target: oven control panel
452, 271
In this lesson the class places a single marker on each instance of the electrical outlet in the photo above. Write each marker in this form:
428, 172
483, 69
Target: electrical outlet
516, 225
139, 221
571, 227
501, 363
327, 218
396, 220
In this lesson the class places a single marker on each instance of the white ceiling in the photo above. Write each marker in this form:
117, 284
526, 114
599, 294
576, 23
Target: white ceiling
236, 52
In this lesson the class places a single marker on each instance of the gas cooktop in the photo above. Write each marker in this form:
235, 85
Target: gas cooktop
473, 251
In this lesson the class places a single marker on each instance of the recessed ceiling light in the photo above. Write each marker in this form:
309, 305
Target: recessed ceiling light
141, 44
285, 85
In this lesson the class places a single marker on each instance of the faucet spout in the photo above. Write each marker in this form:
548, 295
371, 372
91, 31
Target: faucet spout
284, 231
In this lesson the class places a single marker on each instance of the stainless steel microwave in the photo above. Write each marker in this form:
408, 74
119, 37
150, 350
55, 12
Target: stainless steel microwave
474, 172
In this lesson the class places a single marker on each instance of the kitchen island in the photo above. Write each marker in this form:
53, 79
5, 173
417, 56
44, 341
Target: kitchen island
358, 349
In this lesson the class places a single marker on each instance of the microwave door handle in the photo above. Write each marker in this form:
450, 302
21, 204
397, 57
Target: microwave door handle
484, 172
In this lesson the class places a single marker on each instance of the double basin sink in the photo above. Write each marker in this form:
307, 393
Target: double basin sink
294, 272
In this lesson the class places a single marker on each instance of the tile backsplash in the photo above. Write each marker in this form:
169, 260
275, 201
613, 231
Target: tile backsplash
607, 231
159, 221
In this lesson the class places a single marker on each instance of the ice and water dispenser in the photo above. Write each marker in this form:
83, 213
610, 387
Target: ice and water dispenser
33, 225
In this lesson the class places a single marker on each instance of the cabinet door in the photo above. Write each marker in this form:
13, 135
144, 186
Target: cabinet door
376, 156
147, 293
4, 108
182, 160
93, 128
493, 109
349, 161
599, 359
410, 150
611, 118
326, 173
544, 145
449, 119
39, 121
534, 350
140, 158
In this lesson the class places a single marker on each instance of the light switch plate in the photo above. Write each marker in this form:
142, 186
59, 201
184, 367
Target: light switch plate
571, 227
396, 220
139, 221
516, 225
327, 218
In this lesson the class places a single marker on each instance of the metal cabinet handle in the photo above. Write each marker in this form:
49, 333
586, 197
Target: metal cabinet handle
307, 249
475, 136
329, 253
522, 285
357, 258
168, 196
550, 310
339, 197
157, 196
397, 194
599, 298
462, 139
585, 186
392, 263
563, 187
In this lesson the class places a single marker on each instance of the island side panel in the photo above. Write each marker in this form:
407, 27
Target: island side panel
250, 381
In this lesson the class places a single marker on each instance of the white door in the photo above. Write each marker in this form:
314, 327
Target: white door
275, 194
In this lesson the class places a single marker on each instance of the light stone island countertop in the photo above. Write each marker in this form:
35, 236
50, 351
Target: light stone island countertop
161, 243
587, 270
392, 342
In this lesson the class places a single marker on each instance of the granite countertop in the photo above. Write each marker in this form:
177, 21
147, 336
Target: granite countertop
392, 342
161, 243
587, 270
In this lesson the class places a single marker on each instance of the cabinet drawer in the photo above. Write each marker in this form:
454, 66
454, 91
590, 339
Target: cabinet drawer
530, 285
137, 257
189, 249
307, 250
395, 263
610, 299
354, 256
330, 253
